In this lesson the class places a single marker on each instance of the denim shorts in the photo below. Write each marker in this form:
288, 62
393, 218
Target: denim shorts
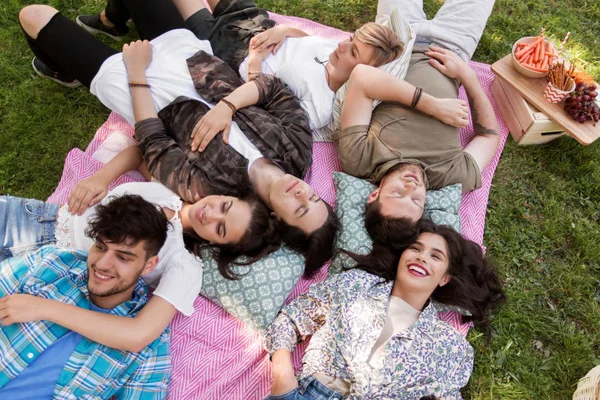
309, 389
25, 225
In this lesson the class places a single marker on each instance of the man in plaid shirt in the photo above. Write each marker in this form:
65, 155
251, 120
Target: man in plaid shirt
42, 360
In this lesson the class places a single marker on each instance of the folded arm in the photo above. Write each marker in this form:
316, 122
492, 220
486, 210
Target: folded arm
166, 161
217, 86
484, 145
91, 190
368, 83
272, 39
122, 333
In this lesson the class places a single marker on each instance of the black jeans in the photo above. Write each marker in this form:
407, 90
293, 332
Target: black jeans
152, 18
65, 47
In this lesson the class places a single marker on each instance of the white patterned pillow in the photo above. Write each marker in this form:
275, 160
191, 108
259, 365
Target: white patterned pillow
259, 294
398, 67
441, 206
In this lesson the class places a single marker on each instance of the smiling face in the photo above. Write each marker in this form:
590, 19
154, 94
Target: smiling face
401, 193
423, 265
348, 55
295, 202
114, 269
220, 219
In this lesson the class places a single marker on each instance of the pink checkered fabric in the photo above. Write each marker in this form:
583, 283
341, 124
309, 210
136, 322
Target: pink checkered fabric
215, 356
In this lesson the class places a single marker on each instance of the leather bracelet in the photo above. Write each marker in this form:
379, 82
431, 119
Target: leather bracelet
416, 97
230, 105
255, 73
133, 84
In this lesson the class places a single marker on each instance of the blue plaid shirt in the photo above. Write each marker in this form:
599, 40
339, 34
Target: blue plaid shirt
93, 371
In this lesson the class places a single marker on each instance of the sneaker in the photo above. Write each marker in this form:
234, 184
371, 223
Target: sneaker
93, 24
61, 78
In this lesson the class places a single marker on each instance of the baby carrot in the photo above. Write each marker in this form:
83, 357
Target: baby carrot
545, 63
541, 47
528, 47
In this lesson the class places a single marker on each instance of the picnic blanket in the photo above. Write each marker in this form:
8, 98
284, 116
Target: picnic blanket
214, 355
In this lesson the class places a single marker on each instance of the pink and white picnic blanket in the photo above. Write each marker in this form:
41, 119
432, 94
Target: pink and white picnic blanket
214, 355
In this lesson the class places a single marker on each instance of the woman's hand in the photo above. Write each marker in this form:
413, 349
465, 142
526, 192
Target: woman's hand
87, 193
452, 112
19, 308
137, 56
271, 38
258, 53
448, 62
216, 120
284, 379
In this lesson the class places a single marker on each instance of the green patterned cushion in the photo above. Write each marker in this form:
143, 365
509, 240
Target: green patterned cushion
351, 198
258, 295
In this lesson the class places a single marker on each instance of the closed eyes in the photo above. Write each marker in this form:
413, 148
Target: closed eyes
221, 228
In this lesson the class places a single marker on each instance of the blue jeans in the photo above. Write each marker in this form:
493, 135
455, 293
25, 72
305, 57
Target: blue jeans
25, 225
309, 389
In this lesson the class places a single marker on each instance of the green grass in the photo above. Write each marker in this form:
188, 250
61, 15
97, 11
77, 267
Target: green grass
543, 216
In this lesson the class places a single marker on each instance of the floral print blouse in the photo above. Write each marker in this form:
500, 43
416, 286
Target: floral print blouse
345, 315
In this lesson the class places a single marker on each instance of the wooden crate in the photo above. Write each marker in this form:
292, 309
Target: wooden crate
526, 124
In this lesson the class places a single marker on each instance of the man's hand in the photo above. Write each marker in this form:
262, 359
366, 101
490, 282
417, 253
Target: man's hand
452, 112
137, 56
448, 63
19, 308
87, 193
271, 38
216, 120
284, 379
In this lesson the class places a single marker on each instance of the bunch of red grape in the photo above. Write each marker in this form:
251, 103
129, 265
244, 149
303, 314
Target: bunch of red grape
581, 104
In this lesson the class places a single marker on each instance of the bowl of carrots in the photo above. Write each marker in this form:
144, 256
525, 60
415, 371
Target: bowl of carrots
532, 55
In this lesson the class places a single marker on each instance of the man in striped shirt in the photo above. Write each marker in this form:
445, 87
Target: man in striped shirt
42, 360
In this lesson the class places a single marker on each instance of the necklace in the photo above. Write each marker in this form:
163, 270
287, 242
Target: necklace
324, 64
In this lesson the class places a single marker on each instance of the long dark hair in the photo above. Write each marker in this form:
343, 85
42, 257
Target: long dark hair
474, 286
316, 247
261, 238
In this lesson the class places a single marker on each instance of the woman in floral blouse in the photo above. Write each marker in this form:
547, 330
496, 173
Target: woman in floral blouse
376, 333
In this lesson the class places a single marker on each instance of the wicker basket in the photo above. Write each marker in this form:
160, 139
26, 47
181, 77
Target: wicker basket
588, 387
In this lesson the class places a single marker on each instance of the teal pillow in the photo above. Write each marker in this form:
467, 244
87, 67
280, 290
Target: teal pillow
441, 206
259, 294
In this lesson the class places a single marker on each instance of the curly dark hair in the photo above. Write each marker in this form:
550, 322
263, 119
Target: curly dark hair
317, 247
475, 285
130, 219
261, 238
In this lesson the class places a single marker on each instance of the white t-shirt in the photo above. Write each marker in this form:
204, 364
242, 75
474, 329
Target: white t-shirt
178, 275
295, 65
168, 76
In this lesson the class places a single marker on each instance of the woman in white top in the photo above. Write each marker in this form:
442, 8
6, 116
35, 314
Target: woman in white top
27, 224
313, 67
